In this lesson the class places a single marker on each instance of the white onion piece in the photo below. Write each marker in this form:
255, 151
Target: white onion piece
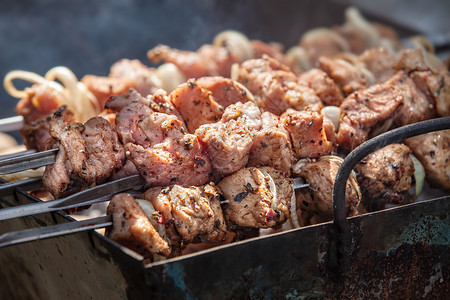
325, 33
23, 75
293, 209
169, 76
35, 173
357, 22
236, 42
296, 169
333, 113
234, 73
249, 94
272, 188
149, 210
297, 58
419, 174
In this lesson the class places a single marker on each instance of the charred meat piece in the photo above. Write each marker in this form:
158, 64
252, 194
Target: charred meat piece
307, 133
190, 214
169, 155
133, 229
369, 112
416, 106
386, 176
275, 87
379, 62
88, 154
247, 114
196, 105
208, 60
316, 202
348, 77
39, 103
256, 198
274, 50
145, 79
272, 145
433, 151
131, 108
323, 85
229, 141
103, 87
224, 90
433, 81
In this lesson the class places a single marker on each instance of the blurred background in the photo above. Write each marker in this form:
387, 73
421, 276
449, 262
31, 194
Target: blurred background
88, 36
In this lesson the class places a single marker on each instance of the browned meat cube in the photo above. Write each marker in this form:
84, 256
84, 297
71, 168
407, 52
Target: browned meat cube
223, 90
379, 62
272, 146
323, 85
190, 214
275, 87
316, 202
196, 105
385, 176
229, 141
433, 151
348, 77
172, 156
88, 154
307, 133
208, 60
364, 111
144, 78
257, 198
132, 228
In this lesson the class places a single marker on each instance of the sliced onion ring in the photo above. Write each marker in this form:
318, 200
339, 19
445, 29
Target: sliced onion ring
419, 175
272, 188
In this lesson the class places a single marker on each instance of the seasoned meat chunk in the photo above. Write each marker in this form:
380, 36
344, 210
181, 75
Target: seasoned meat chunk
208, 60
316, 202
275, 87
274, 50
433, 81
415, 106
433, 151
132, 228
132, 109
88, 154
255, 199
307, 133
169, 155
190, 214
224, 90
145, 79
385, 176
272, 146
347, 76
227, 144
248, 114
40, 101
323, 85
196, 105
367, 112
229, 141
379, 62
103, 87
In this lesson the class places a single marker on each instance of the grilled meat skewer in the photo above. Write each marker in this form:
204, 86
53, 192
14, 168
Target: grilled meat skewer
107, 190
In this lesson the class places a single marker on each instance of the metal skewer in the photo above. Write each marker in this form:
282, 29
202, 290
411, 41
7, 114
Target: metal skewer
28, 161
17, 237
97, 194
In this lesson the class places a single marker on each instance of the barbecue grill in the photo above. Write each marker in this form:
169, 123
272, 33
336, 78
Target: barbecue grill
402, 252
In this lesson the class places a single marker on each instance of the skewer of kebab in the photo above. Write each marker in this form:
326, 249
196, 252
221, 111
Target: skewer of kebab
182, 102
396, 135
